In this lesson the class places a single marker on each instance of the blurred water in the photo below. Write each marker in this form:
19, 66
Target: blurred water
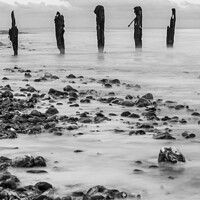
169, 73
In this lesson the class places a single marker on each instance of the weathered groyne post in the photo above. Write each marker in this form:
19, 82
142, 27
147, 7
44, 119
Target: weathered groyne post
137, 26
59, 28
13, 34
171, 29
100, 21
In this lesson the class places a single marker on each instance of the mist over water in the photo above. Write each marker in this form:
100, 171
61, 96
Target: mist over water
109, 158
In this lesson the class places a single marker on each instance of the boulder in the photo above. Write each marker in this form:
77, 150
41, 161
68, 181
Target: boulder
43, 186
128, 103
171, 155
142, 102
52, 111
148, 96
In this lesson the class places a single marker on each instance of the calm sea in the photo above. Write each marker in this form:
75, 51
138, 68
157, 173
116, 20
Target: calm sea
169, 73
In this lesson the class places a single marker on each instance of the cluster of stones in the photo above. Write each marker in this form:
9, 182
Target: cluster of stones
14, 120
10, 189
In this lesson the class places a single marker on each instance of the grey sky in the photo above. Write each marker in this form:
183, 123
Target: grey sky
79, 13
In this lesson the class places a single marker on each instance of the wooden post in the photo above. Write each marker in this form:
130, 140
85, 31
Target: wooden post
13, 34
138, 27
171, 29
100, 21
59, 28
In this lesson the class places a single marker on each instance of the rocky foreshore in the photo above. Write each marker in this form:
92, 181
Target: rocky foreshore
32, 112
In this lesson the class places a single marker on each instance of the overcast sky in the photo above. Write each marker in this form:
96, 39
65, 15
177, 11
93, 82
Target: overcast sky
79, 13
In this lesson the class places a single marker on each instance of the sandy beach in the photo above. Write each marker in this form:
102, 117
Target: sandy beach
91, 139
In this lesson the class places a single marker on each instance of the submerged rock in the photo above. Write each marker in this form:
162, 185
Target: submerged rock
171, 155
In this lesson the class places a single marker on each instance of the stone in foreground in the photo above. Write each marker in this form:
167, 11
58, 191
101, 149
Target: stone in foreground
170, 155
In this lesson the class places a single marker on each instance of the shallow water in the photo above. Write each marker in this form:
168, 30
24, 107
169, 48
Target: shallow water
109, 157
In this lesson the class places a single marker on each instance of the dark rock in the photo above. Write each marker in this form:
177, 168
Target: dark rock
107, 85
71, 76
150, 115
148, 96
27, 75
166, 118
115, 81
187, 135
164, 136
196, 114
36, 171
69, 88
43, 186
142, 102
23, 161
126, 114
153, 166
5, 78
57, 92
39, 161
52, 111
137, 132
36, 113
170, 154
78, 151
183, 121
138, 171
145, 126
74, 105
133, 115
28, 161
7, 94
179, 107
129, 97
77, 194
128, 103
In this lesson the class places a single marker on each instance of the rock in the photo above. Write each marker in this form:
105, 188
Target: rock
107, 85
69, 88
10, 184
126, 114
153, 166
43, 186
27, 75
57, 92
129, 97
134, 115
179, 107
196, 114
145, 126
187, 135
164, 136
85, 120
137, 132
115, 81
170, 154
35, 113
23, 161
71, 76
28, 161
7, 94
128, 103
5, 78
148, 96
150, 115
36, 171
39, 161
52, 111
142, 102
